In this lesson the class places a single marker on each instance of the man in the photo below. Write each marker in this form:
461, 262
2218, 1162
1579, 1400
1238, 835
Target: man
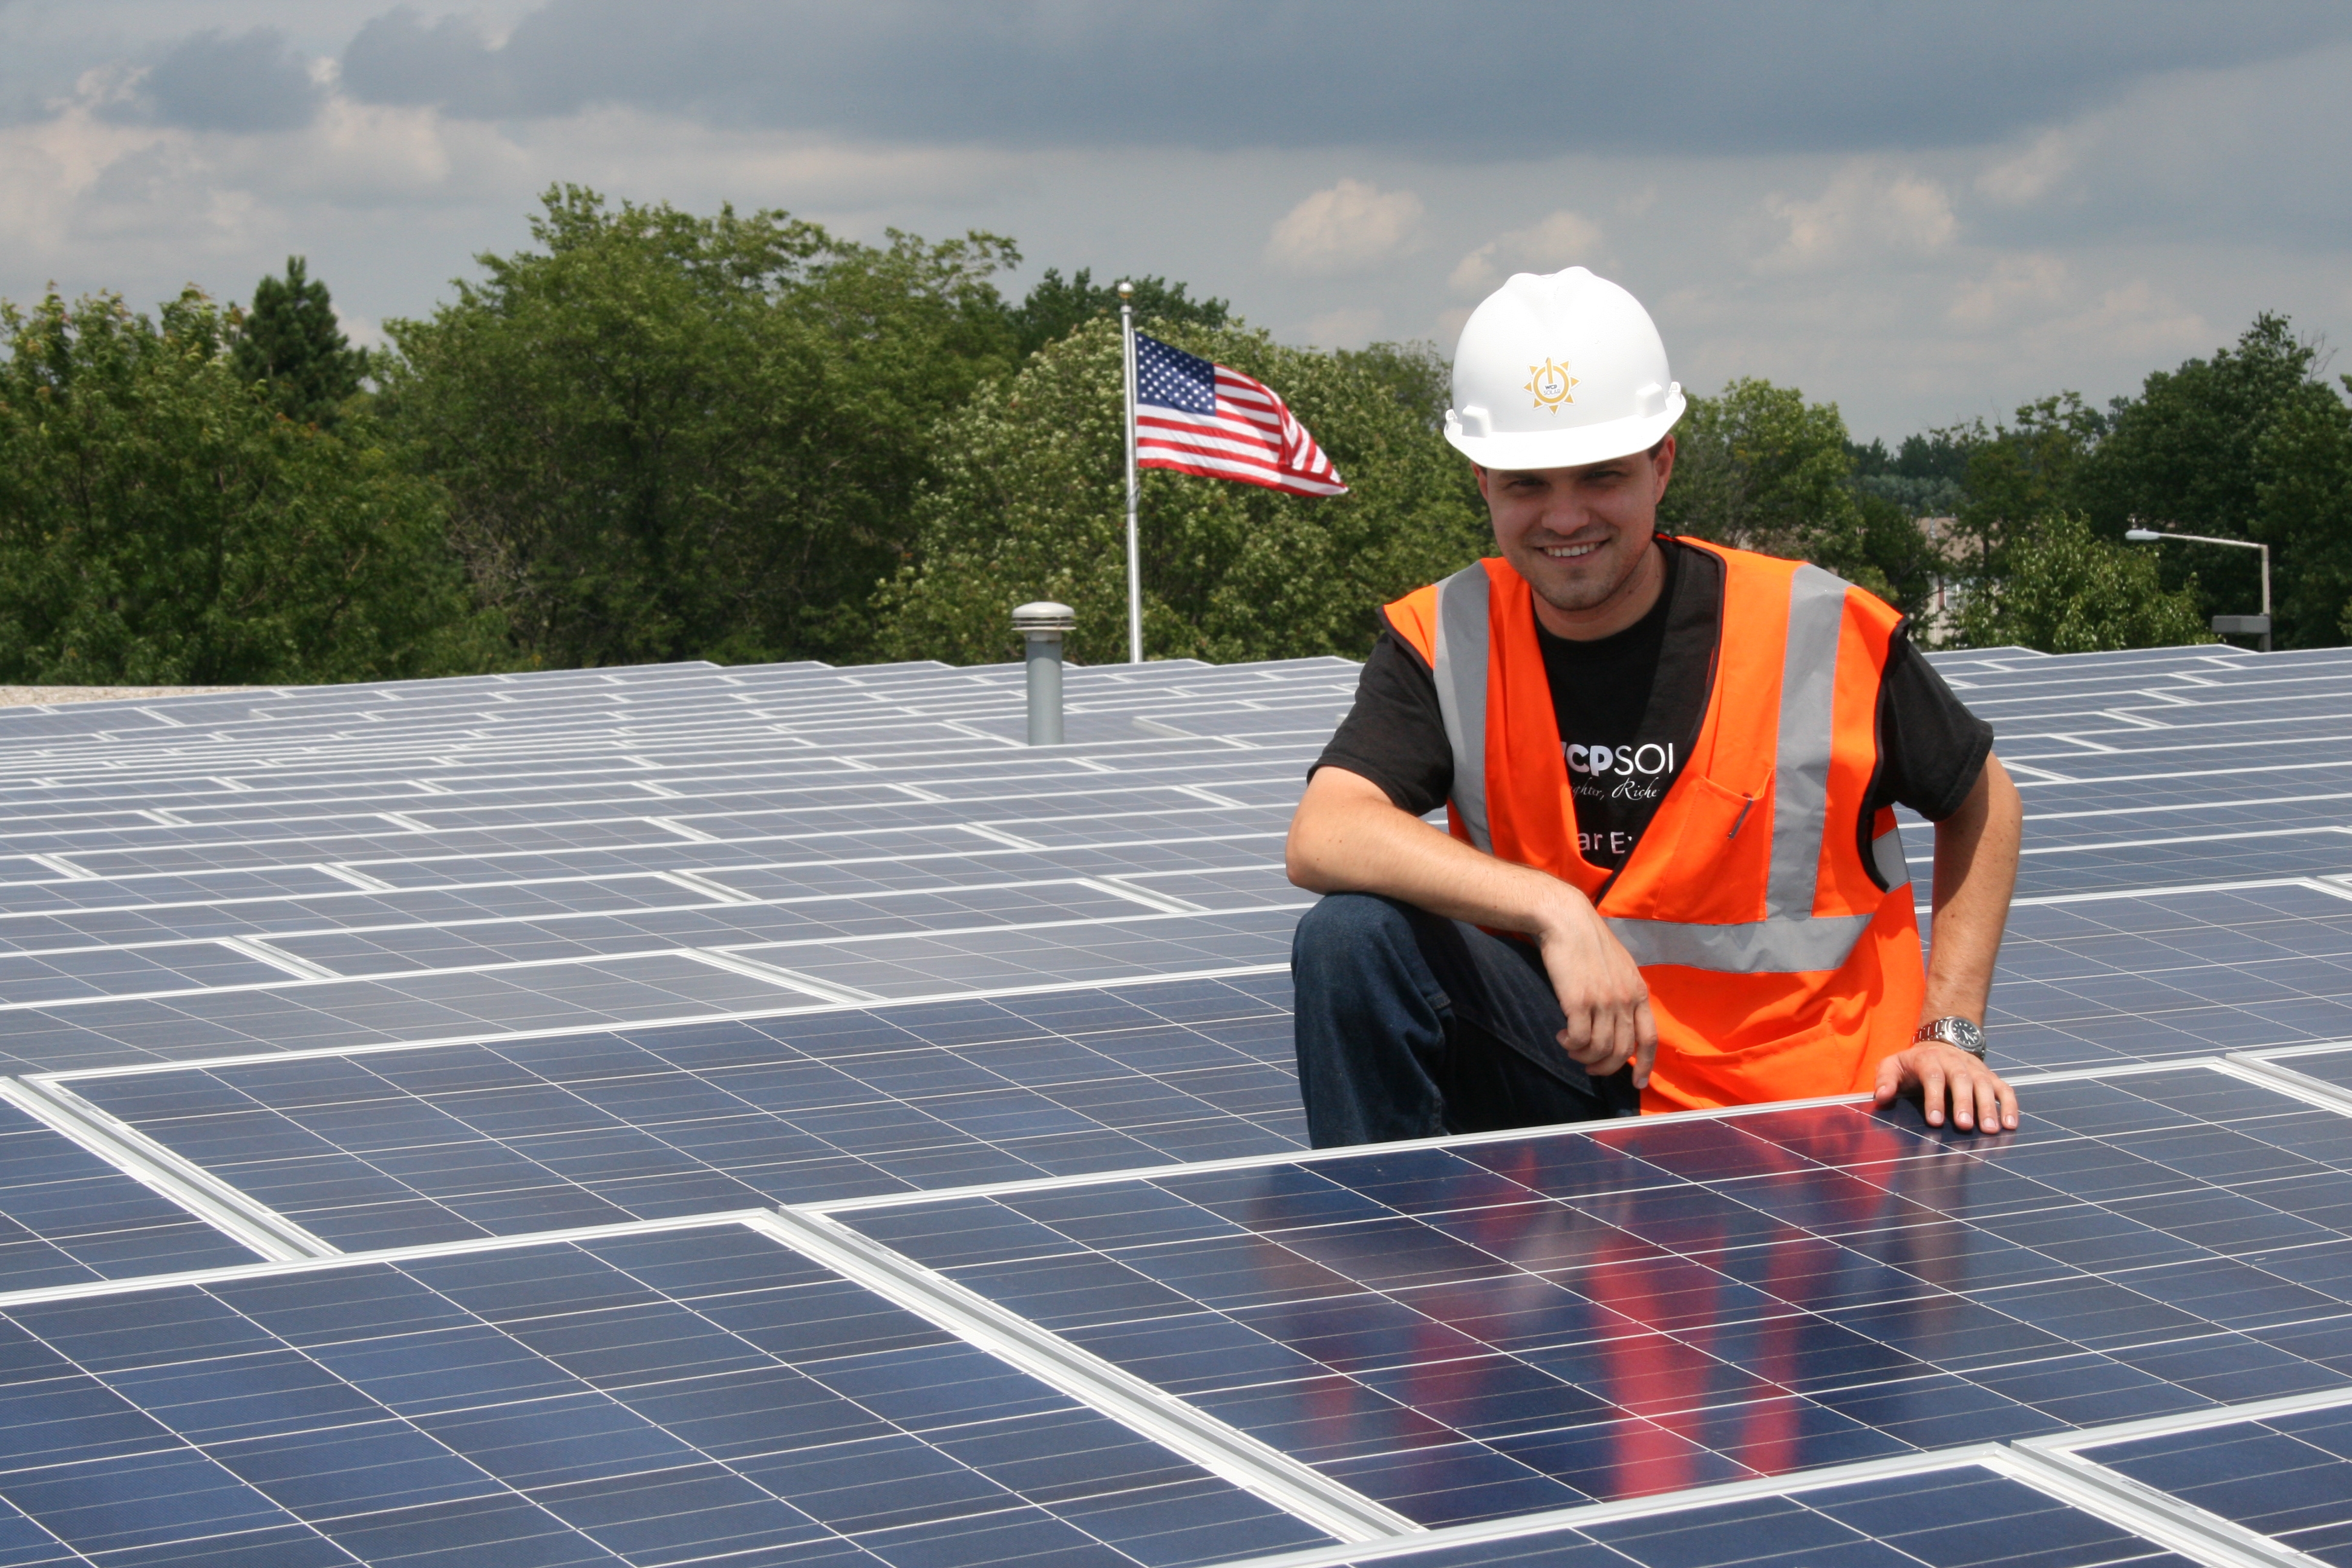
1673, 878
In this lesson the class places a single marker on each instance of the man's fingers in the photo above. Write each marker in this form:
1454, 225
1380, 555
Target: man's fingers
1992, 1115
1931, 1094
1626, 1042
1890, 1082
1645, 1052
1575, 1034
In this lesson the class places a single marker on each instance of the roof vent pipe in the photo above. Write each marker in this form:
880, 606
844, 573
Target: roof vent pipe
1041, 627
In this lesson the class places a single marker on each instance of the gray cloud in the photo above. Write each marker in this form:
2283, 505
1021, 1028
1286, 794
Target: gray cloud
1517, 79
212, 82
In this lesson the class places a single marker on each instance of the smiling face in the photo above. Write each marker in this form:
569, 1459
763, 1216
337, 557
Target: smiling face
1581, 537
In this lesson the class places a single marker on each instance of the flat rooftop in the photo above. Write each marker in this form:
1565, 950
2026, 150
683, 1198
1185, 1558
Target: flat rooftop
754, 1116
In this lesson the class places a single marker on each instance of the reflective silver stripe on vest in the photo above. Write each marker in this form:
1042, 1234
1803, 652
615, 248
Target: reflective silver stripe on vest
1800, 765
1886, 854
1460, 672
1778, 945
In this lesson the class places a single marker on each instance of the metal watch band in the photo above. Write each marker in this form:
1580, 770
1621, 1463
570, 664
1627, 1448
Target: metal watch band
1954, 1031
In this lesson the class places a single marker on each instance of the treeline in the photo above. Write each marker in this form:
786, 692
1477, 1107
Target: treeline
2020, 523
654, 436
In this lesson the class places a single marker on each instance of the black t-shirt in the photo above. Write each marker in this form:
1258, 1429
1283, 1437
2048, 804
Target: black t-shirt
1630, 706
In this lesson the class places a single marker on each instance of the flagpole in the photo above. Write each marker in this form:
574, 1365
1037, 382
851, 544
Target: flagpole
1134, 555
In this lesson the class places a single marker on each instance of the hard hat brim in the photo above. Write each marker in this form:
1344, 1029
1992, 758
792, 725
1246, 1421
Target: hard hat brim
1571, 448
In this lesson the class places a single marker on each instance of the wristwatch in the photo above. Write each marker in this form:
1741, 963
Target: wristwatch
1953, 1031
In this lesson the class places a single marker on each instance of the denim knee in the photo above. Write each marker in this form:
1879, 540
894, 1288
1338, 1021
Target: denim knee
1350, 932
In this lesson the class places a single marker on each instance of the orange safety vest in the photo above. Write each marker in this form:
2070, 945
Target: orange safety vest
1782, 962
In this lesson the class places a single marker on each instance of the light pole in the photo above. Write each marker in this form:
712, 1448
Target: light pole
2228, 626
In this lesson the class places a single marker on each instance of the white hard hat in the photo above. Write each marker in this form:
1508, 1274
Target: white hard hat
1556, 371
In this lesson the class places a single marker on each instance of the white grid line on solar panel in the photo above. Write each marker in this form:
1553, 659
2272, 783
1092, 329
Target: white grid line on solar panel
2261, 785
430, 1010
825, 873
2202, 1535
2020, 1504
2203, 658
2215, 857
972, 774
926, 950
793, 709
467, 905
674, 1474
2249, 980
888, 808
261, 770
1254, 781
378, 1147
323, 954
1086, 690
1271, 781
2028, 1079
466, 1080
483, 1190
614, 846
1082, 697
217, 1203
2115, 724
2115, 766
743, 912
840, 866
899, 865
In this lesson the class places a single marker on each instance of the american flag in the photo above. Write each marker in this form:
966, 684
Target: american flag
1198, 418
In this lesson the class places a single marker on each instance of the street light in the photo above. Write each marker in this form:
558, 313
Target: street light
2228, 626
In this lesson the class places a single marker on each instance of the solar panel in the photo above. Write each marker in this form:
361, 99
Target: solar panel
662, 1395
657, 1048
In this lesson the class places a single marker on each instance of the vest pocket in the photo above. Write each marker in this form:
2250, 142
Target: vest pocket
1712, 863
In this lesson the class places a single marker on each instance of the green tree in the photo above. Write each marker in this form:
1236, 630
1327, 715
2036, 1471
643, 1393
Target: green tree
1030, 504
161, 524
2303, 468
2019, 474
2067, 590
669, 437
1924, 475
1057, 306
2238, 446
1759, 468
291, 341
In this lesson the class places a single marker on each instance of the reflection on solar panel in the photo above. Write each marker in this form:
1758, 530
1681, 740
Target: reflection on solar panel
685, 1114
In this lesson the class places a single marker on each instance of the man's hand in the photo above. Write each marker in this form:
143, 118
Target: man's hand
1980, 1101
1600, 991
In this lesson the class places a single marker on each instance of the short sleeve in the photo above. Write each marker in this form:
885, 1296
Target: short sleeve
1931, 749
1395, 733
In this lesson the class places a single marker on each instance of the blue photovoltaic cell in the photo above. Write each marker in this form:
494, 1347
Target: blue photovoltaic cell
650, 1399
1945, 1519
1532, 1323
2289, 1476
66, 1217
2099, 981
406, 1148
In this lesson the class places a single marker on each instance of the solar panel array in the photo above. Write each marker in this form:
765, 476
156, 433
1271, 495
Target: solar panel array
757, 1116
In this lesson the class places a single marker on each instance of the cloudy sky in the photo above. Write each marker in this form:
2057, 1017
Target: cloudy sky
1924, 212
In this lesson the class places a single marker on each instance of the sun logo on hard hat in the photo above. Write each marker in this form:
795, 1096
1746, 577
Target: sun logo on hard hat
1549, 384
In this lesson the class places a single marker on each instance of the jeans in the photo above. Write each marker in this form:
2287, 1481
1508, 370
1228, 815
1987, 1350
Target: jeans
1410, 1026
